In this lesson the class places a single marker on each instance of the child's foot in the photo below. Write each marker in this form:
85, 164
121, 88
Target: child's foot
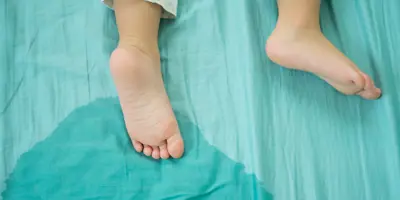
309, 50
148, 115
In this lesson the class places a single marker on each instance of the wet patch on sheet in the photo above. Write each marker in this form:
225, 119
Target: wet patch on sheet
89, 156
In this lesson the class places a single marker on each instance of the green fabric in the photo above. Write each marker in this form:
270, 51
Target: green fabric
91, 157
252, 128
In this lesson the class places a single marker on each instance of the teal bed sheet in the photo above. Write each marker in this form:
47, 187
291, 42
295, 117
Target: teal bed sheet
252, 130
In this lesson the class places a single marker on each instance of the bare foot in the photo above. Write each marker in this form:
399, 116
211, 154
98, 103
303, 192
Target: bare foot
309, 50
148, 115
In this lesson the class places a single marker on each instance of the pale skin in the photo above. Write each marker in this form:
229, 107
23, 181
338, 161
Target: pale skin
135, 67
296, 43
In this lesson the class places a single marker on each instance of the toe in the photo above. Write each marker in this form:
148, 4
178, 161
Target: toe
147, 150
370, 91
371, 94
175, 145
164, 151
137, 145
156, 152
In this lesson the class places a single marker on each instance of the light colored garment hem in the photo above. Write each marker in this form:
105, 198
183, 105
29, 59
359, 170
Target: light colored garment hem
169, 6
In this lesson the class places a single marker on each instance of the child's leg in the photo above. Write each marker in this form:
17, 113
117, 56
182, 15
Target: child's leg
298, 43
135, 67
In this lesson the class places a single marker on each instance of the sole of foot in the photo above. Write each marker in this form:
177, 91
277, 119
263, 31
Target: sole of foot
148, 115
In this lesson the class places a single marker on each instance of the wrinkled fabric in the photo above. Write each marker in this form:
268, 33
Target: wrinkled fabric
169, 6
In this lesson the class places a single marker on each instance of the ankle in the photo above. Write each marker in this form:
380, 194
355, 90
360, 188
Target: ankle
298, 23
148, 48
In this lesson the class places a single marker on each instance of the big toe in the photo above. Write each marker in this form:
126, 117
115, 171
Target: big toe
370, 91
175, 145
